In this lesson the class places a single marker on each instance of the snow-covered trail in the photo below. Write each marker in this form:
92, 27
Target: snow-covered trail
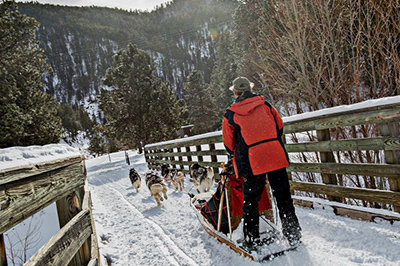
132, 230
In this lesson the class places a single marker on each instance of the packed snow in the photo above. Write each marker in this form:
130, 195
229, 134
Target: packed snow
132, 230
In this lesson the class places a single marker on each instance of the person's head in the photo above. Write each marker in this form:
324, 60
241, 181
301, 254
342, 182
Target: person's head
241, 85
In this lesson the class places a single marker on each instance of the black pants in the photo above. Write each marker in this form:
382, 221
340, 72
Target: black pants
252, 190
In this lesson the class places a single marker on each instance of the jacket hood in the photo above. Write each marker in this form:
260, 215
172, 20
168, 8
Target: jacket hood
247, 106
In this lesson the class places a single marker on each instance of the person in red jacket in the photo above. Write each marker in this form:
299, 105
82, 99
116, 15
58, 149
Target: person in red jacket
252, 134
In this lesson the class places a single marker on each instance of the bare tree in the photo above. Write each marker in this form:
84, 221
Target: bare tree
21, 244
318, 54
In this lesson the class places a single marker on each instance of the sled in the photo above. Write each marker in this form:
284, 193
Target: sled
214, 213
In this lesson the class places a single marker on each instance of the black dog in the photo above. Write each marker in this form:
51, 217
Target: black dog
135, 179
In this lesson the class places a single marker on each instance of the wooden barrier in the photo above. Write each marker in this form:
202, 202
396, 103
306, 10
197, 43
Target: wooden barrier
384, 118
27, 190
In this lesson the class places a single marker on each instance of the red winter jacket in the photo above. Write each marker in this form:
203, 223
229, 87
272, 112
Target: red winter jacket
252, 131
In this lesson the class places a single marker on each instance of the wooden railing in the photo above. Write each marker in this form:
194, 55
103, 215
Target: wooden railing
382, 116
26, 190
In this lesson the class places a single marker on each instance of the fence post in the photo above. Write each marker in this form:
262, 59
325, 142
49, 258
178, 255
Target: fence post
189, 157
392, 157
327, 157
180, 159
199, 157
214, 159
3, 257
67, 208
171, 158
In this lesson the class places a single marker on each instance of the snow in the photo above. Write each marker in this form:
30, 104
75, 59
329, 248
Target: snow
132, 230
344, 108
22, 156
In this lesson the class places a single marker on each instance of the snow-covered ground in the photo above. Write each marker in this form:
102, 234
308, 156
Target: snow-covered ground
132, 230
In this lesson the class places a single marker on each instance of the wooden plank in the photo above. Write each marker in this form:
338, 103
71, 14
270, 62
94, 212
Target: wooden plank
62, 247
188, 154
215, 160
378, 143
366, 216
192, 153
23, 198
347, 211
3, 257
190, 141
198, 149
17, 173
371, 115
212, 164
383, 170
87, 205
373, 195
67, 208
327, 157
392, 157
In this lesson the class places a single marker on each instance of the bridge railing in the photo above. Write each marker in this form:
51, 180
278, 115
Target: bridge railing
347, 154
27, 190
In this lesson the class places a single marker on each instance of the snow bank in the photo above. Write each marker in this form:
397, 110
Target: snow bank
22, 156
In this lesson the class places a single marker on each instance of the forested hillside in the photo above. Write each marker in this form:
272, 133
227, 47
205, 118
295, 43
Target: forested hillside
79, 42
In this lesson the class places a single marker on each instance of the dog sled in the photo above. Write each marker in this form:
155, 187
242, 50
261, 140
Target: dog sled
220, 214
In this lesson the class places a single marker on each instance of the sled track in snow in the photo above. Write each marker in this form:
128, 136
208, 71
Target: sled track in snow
166, 244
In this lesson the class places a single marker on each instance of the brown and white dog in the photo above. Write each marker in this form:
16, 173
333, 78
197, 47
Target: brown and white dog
203, 176
135, 179
158, 189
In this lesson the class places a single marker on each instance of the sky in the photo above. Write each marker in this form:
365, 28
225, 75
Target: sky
143, 5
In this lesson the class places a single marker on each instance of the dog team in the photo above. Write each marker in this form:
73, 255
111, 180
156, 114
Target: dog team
202, 176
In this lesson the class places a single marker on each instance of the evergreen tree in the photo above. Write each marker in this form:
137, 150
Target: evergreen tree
28, 116
224, 72
70, 120
84, 120
139, 108
201, 104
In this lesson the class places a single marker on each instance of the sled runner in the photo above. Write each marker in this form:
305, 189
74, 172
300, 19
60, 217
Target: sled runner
220, 214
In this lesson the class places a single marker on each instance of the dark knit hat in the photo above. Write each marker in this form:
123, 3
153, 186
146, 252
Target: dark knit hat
241, 84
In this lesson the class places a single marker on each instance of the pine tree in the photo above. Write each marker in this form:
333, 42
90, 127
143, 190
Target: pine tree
70, 120
224, 72
201, 104
28, 116
139, 108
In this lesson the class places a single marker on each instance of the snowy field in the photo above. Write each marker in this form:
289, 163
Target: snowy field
132, 230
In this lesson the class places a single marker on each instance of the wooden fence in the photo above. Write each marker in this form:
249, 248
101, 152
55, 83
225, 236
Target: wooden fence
383, 118
26, 190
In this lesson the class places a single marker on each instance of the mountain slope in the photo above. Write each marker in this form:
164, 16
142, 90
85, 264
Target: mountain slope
80, 41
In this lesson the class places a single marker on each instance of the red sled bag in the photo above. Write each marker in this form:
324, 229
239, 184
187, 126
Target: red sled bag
210, 210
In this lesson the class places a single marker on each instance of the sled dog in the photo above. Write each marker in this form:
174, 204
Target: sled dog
203, 176
135, 179
164, 170
158, 189
177, 178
